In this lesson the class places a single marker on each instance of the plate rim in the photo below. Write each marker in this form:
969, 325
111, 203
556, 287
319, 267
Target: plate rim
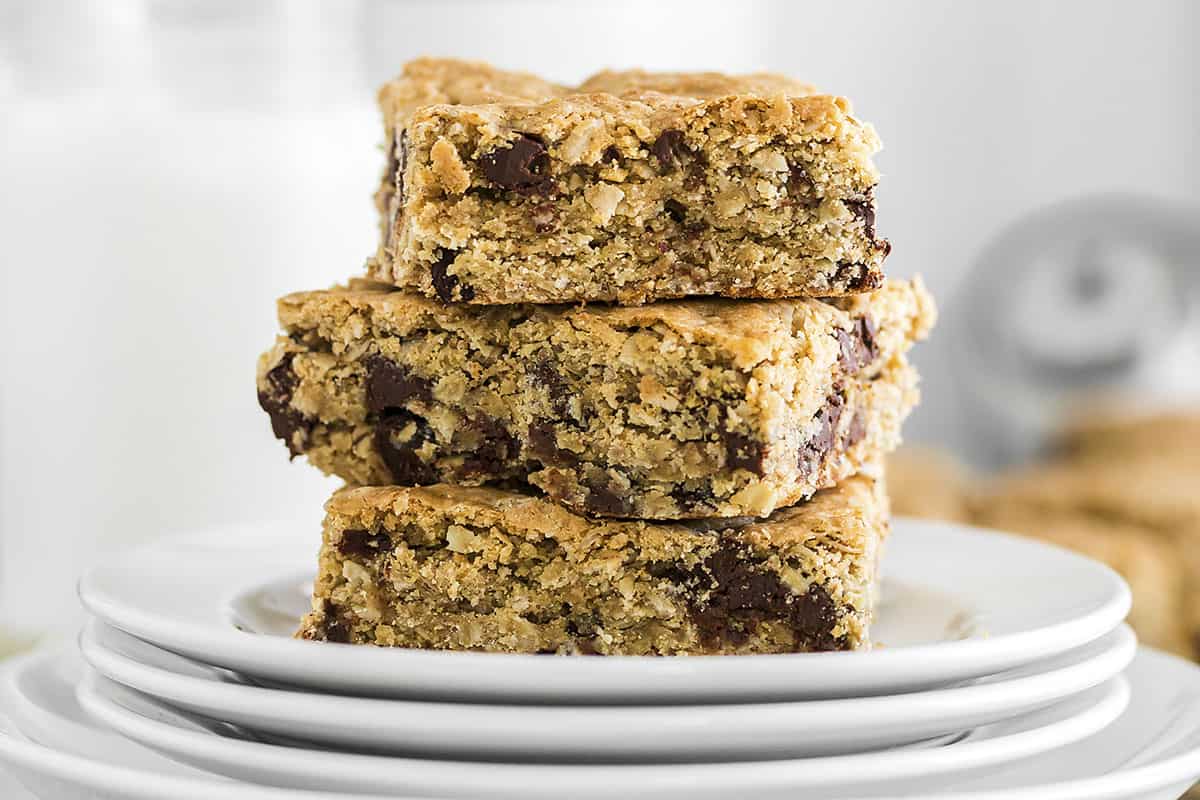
986, 703
1113, 697
16, 750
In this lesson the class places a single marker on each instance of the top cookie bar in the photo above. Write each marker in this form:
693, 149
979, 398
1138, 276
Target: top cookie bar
632, 187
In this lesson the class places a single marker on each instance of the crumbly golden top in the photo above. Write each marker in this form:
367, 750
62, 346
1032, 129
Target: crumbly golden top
430, 81
442, 81
694, 84
752, 332
855, 508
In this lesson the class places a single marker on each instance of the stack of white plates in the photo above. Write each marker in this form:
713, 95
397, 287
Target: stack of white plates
1002, 671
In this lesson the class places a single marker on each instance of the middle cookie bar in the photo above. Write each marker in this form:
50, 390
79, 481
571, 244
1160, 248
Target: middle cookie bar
683, 409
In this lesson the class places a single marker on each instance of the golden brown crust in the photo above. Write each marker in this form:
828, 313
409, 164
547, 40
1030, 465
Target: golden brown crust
694, 84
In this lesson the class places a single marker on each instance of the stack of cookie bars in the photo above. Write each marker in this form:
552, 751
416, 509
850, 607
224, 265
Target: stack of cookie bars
619, 379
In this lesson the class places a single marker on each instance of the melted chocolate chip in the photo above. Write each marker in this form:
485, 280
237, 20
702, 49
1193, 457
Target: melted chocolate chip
398, 437
801, 188
543, 373
521, 167
676, 210
542, 444
286, 422
390, 385
743, 452
602, 500
399, 164
814, 451
333, 627
668, 148
857, 346
729, 596
446, 284
864, 209
670, 571
497, 449
361, 545
856, 430
857, 277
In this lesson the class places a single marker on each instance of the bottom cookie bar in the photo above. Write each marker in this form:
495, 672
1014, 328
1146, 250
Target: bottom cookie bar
458, 568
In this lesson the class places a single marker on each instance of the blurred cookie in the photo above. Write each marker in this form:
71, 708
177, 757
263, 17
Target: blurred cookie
927, 483
1156, 578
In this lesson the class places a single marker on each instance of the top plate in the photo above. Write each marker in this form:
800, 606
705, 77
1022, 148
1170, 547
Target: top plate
958, 603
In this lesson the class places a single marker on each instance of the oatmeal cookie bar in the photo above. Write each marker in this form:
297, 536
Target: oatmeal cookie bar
1154, 496
631, 187
461, 568
679, 409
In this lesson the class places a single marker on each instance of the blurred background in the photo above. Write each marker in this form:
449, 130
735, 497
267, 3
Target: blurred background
169, 167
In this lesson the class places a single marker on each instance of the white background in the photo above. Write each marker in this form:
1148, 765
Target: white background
168, 168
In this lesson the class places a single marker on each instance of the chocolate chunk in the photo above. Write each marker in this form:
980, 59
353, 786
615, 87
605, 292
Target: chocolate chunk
743, 452
801, 188
814, 451
602, 500
444, 283
544, 373
398, 437
282, 378
858, 346
496, 451
857, 277
521, 167
542, 444
676, 210
400, 165
286, 422
729, 597
671, 572
668, 148
360, 544
390, 385
864, 209
333, 627
857, 429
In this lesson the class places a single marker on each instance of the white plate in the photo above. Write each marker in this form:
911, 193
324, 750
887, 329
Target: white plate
60, 753
624, 734
224, 750
1151, 752
232, 597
